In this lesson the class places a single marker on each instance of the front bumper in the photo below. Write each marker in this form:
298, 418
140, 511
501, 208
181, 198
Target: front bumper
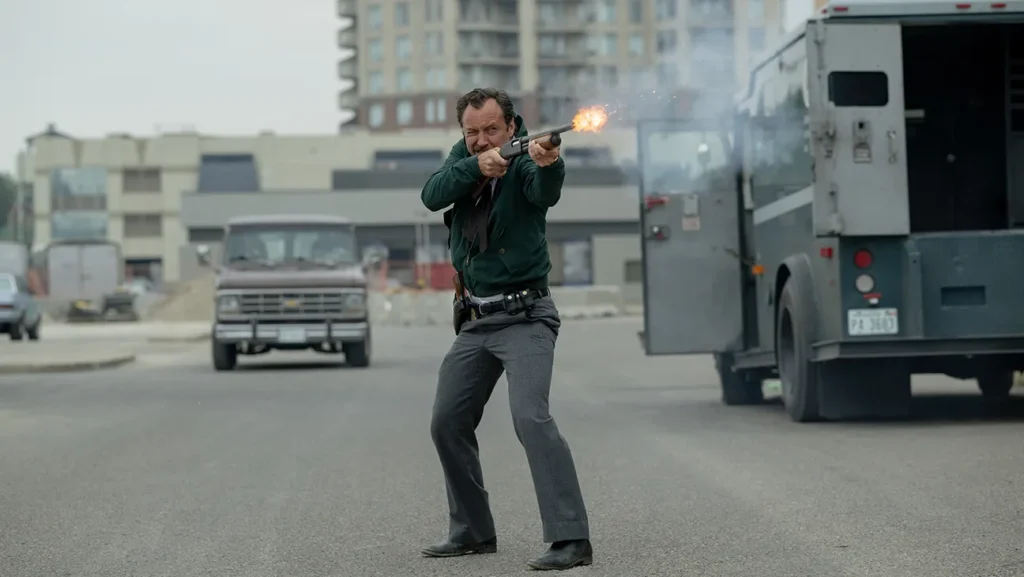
291, 334
9, 315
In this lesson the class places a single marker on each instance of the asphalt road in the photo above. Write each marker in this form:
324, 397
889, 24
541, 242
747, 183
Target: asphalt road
318, 470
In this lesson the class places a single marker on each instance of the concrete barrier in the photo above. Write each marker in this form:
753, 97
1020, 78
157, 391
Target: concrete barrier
429, 308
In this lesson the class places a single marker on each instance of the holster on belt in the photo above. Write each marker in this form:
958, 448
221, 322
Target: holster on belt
461, 311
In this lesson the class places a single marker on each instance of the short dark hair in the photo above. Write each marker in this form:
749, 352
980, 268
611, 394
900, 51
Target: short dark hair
478, 96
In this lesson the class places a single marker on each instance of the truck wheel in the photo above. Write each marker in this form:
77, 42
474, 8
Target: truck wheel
738, 387
995, 385
792, 349
225, 356
17, 331
357, 354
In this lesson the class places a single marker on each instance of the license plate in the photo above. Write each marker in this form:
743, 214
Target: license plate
291, 336
870, 322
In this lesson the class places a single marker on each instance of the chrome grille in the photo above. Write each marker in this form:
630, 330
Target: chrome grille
292, 303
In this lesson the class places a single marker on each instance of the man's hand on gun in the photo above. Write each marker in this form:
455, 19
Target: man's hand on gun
541, 155
491, 164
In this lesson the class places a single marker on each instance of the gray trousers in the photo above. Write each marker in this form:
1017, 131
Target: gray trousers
524, 348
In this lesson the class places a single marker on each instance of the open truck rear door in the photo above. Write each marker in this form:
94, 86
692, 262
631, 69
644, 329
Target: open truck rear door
861, 68
690, 238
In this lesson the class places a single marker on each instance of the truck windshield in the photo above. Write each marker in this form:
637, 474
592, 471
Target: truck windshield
294, 245
685, 160
7, 284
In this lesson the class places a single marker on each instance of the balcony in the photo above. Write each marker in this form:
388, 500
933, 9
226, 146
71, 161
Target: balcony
489, 57
566, 16
564, 25
348, 69
347, 38
489, 16
711, 13
570, 57
485, 49
346, 8
348, 99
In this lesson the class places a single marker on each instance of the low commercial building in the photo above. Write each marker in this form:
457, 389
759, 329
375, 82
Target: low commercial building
161, 196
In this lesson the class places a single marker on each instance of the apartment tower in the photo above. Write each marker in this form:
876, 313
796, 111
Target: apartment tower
413, 58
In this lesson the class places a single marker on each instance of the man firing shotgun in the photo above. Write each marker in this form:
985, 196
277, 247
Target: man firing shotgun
505, 322
520, 146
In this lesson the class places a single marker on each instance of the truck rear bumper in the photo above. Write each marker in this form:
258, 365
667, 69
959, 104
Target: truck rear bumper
292, 334
902, 348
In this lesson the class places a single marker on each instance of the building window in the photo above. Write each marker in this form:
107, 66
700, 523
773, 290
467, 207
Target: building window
403, 48
435, 77
81, 225
228, 173
636, 11
633, 271
755, 11
435, 111
404, 113
434, 10
665, 9
636, 45
376, 115
141, 180
665, 41
668, 75
755, 40
376, 82
143, 225
406, 160
404, 80
603, 45
435, 44
402, 14
374, 17
376, 50
76, 189
606, 11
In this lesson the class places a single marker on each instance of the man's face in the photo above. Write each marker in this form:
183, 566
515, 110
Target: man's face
485, 127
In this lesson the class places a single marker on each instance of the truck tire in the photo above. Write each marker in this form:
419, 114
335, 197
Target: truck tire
358, 354
793, 351
738, 387
995, 385
225, 356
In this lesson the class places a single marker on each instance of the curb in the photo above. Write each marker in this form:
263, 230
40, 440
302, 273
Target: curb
72, 367
192, 339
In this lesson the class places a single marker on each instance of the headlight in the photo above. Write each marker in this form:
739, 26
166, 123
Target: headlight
227, 304
355, 301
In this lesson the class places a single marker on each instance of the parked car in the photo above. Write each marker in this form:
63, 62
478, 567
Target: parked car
20, 314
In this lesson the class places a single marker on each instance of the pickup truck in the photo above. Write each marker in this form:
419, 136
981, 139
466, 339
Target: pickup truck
289, 283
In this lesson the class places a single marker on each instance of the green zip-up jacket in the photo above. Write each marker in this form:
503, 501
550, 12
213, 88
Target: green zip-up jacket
517, 253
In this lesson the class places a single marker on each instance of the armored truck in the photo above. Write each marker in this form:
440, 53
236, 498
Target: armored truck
859, 218
289, 283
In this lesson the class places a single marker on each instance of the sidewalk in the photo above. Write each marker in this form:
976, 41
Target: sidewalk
156, 332
42, 357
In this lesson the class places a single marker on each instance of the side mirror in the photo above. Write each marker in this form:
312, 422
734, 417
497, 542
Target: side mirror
203, 255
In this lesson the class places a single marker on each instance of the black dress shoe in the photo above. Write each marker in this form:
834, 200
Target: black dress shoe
449, 549
564, 555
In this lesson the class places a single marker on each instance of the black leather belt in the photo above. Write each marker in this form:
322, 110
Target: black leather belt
510, 302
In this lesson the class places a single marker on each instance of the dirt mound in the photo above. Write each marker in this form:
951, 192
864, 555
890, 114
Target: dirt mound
192, 301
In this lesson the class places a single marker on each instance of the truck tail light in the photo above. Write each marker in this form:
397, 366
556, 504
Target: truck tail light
862, 259
865, 283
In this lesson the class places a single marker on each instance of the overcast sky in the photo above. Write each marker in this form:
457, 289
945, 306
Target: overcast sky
221, 66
